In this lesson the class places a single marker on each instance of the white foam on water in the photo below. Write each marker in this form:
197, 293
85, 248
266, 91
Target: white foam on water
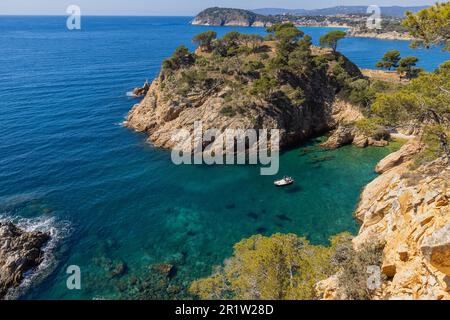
58, 231
131, 94
120, 124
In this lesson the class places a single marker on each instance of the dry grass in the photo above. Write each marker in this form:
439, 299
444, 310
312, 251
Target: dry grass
381, 75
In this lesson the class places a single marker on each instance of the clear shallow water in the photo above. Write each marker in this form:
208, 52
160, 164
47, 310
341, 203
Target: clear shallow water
66, 163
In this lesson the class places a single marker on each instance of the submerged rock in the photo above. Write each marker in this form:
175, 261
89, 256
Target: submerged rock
20, 252
165, 269
118, 270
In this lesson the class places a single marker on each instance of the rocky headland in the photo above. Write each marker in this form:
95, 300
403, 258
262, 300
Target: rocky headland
20, 253
232, 17
235, 92
241, 83
355, 23
407, 209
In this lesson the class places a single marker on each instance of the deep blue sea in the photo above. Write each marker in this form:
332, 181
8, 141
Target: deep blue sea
68, 166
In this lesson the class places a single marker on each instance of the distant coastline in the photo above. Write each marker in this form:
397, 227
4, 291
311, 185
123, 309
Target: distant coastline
392, 28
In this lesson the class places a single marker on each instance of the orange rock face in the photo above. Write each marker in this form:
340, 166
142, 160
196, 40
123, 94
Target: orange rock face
409, 211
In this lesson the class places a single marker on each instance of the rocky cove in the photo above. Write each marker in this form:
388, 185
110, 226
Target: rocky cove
407, 210
178, 207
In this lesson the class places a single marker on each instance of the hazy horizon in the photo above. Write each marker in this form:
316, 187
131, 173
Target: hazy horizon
175, 7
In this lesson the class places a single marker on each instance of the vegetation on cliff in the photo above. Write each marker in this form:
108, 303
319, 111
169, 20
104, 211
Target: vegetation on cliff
282, 69
286, 266
280, 267
426, 102
430, 26
331, 39
277, 82
228, 16
405, 67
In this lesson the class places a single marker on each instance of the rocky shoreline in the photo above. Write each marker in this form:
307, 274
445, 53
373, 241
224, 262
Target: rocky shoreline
161, 111
408, 210
393, 35
20, 253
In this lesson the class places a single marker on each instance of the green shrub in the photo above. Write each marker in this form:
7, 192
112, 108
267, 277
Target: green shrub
283, 266
228, 111
353, 276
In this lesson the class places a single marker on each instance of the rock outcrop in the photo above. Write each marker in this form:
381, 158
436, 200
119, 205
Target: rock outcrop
142, 91
20, 252
232, 17
344, 116
436, 249
391, 35
163, 111
409, 211
395, 159
349, 134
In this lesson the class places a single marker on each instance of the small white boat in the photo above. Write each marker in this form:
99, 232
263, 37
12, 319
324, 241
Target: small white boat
286, 181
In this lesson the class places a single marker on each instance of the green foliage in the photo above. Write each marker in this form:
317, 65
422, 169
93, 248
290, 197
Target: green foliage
372, 127
228, 111
264, 87
287, 77
280, 267
353, 275
205, 39
235, 44
431, 26
390, 60
287, 36
264, 56
407, 67
363, 92
181, 58
252, 41
425, 100
300, 59
359, 92
331, 39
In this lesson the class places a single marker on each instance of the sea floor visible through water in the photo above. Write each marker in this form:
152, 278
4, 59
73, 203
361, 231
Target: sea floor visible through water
116, 205
191, 216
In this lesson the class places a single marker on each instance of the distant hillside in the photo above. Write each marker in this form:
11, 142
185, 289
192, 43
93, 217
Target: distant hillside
393, 11
231, 17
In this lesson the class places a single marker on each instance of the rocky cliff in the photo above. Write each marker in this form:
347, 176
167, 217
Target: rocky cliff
231, 17
20, 252
219, 92
408, 210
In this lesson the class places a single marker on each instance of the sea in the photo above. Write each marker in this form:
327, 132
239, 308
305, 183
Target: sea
69, 167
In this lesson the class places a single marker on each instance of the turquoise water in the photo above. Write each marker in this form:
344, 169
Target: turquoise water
67, 165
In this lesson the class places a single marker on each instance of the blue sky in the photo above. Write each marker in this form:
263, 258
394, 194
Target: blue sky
174, 7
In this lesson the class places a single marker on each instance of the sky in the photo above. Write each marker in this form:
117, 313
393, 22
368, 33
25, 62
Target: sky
175, 7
